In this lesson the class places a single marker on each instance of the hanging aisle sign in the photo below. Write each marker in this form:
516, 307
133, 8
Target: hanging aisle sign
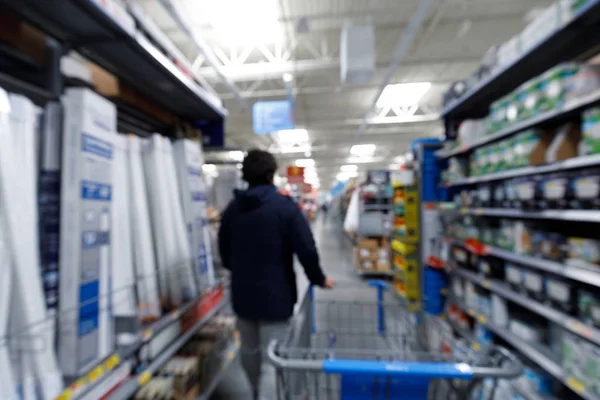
272, 116
295, 175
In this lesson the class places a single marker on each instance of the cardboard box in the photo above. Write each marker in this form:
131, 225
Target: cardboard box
538, 154
565, 143
383, 266
368, 243
109, 85
86, 207
23, 37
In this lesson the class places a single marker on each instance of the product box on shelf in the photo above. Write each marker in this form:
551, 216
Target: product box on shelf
373, 254
110, 86
588, 306
565, 143
590, 131
574, 358
188, 162
23, 37
86, 207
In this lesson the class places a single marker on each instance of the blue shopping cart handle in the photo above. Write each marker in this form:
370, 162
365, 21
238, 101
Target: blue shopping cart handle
398, 368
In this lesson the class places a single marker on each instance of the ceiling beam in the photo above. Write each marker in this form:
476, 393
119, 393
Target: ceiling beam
270, 70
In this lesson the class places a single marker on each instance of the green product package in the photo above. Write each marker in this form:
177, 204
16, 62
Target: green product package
593, 370
497, 118
577, 5
530, 102
590, 131
523, 146
495, 158
508, 154
512, 108
553, 86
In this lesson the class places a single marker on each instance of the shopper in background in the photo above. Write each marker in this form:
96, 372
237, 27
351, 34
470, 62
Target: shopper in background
261, 230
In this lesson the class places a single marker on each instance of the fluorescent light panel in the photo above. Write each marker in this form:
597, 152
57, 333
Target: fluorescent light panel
258, 20
403, 94
305, 162
292, 136
362, 150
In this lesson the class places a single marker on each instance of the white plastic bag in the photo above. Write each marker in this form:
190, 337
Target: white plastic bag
351, 221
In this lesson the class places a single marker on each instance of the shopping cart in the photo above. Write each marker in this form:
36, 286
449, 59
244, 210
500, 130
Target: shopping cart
343, 344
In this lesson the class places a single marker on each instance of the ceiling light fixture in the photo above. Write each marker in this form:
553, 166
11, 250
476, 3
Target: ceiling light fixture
305, 162
258, 20
362, 150
403, 94
236, 155
292, 136
209, 167
287, 77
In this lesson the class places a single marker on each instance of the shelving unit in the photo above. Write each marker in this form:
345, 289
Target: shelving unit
537, 355
134, 58
563, 44
473, 177
87, 27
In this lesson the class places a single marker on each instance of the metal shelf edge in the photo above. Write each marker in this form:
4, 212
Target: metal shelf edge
575, 20
571, 324
128, 388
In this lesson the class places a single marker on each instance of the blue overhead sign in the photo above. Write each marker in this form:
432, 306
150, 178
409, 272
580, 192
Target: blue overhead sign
272, 116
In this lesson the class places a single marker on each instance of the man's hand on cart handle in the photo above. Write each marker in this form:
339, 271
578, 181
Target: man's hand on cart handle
329, 283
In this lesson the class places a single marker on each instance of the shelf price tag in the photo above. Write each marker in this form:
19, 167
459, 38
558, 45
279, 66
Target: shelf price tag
482, 319
66, 395
576, 385
580, 328
486, 283
476, 346
147, 333
144, 378
95, 374
112, 361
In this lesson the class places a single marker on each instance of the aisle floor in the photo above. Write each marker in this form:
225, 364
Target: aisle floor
336, 259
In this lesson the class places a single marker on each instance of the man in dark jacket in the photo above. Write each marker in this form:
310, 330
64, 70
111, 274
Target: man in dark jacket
261, 230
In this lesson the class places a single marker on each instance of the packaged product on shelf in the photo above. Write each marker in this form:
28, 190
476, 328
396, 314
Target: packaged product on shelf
510, 190
506, 238
143, 246
528, 192
499, 316
498, 194
471, 296
583, 82
189, 162
184, 372
555, 191
590, 132
583, 252
565, 143
524, 145
156, 388
86, 213
470, 131
554, 86
588, 307
574, 357
530, 94
484, 306
553, 247
523, 238
514, 276
512, 109
38, 370
561, 294
123, 275
538, 380
534, 285
491, 267
497, 119
585, 189
484, 196
483, 336
527, 330
593, 370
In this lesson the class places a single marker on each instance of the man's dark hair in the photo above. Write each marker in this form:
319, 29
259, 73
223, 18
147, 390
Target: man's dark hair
259, 167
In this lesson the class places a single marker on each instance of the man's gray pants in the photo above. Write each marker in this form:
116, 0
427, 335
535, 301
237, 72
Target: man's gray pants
255, 337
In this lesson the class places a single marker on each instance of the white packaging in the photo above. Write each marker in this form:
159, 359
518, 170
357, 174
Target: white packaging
499, 311
7, 378
176, 280
49, 202
123, 293
143, 246
18, 180
86, 212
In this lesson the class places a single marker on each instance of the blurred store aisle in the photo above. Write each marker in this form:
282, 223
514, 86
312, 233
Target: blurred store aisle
336, 258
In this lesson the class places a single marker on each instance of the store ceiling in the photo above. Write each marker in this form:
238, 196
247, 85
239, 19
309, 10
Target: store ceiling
257, 42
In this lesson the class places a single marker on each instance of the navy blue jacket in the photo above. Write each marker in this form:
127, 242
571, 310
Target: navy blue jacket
261, 230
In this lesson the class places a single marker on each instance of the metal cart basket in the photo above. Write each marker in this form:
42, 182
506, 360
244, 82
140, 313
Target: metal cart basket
355, 343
